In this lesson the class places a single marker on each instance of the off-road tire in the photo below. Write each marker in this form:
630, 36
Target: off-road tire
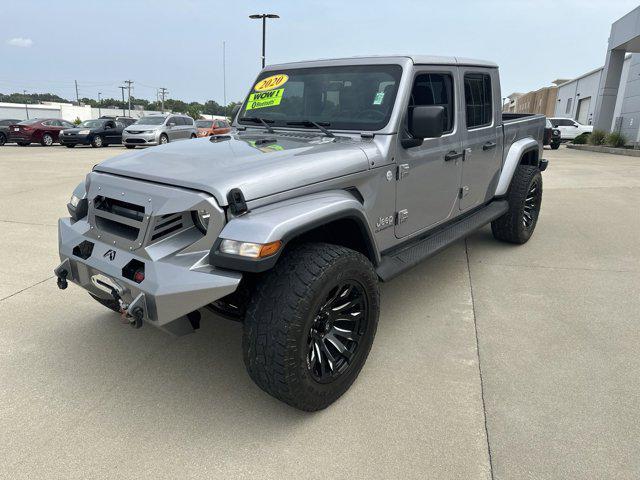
511, 227
110, 304
282, 311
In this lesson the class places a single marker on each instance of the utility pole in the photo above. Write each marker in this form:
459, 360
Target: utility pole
99, 104
163, 91
129, 83
224, 72
123, 112
26, 106
264, 17
77, 96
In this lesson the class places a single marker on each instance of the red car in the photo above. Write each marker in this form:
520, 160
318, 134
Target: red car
38, 130
206, 128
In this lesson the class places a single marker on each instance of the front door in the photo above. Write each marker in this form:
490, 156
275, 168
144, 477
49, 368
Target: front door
482, 137
428, 175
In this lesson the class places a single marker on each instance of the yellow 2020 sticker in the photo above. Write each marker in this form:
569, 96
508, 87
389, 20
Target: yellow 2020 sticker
269, 83
270, 98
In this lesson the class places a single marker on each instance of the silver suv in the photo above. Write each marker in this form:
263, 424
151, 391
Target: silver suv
158, 130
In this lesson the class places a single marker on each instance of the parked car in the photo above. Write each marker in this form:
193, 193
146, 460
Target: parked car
38, 130
551, 135
206, 128
101, 132
374, 165
4, 129
569, 128
158, 130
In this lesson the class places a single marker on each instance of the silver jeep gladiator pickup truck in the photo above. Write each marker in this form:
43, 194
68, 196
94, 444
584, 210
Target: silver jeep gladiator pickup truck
338, 174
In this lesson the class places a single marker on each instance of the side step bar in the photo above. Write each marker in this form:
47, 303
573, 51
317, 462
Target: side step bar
407, 256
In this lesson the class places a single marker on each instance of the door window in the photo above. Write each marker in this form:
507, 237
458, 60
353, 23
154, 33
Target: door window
477, 97
435, 89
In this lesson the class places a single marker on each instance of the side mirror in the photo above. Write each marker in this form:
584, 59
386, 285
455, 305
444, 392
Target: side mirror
424, 122
235, 111
171, 124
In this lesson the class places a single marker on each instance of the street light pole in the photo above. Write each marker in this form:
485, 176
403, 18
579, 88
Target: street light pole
26, 106
264, 17
99, 105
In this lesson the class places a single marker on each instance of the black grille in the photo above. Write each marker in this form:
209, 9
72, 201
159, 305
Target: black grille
134, 140
117, 217
167, 224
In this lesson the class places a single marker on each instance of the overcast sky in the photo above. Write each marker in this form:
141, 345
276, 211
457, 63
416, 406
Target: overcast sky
178, 43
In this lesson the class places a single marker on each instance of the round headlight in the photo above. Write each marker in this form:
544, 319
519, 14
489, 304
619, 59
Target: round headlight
201, 219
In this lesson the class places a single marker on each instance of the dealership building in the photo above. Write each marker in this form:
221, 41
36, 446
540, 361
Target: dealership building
607, 97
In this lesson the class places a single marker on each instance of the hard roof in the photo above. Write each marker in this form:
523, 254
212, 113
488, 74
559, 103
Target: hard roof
416, 59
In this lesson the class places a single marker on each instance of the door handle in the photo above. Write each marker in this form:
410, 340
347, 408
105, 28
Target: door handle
452, 155
489, 146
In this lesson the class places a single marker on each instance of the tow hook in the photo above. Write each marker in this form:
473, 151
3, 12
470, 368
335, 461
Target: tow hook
62, 279
137, 316
133, 312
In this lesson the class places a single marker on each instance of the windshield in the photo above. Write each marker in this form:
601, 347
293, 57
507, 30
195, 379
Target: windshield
29, 122
151, 120
204, 123
91, 124
355, 97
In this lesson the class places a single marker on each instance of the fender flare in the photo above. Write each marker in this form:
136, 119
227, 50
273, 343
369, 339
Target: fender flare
285, 221
512, 160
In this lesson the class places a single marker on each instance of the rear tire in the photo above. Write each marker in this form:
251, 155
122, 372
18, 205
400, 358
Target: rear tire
555, 146
24, 144
525, 200
310, 325
110, 304
70, 145
130, 147
47, 140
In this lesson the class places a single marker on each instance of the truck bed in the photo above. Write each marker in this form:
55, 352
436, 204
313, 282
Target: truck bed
516, 126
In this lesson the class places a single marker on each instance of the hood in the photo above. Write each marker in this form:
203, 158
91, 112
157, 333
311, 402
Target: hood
259, 164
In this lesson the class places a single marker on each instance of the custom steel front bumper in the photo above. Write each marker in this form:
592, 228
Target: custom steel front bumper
173, 286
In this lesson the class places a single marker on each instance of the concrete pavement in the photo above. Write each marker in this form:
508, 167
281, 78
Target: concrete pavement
490, 360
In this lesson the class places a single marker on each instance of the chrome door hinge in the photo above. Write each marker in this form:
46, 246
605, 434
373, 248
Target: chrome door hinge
403, 215
403, 170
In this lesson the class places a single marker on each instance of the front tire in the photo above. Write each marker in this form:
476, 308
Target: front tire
130, 147
555, 146
110, 304
47, 140
70, 145
3, 139
310, 325
163, 139
525, 200
97, 142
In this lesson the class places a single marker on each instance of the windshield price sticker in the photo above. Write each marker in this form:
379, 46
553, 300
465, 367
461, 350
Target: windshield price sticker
265, 99
269, 83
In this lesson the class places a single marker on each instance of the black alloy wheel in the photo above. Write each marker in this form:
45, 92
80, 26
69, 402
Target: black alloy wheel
334, 336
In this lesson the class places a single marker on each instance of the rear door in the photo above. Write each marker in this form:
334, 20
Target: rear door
482, 136
173, 131
428, 176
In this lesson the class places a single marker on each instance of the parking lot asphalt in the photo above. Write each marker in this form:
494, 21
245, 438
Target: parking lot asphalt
491, 360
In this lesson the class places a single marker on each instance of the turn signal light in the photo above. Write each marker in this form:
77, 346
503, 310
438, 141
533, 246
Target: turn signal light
248, 249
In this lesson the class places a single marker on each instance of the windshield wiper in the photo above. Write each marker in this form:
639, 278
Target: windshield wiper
259, 120
319, 125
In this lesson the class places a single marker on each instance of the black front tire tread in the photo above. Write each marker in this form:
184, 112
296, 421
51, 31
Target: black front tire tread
508, 227
280, 298
110, 304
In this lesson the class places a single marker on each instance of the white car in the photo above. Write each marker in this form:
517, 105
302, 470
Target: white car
569, 128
